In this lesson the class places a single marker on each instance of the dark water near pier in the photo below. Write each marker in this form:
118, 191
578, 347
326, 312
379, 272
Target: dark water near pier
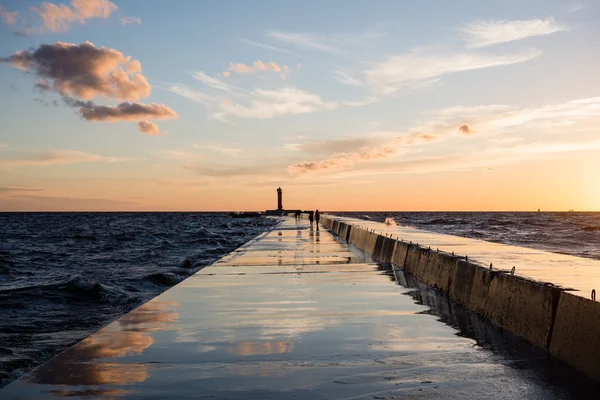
65, 275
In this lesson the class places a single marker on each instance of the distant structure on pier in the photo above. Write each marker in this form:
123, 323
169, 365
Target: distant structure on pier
279, 199
280, 210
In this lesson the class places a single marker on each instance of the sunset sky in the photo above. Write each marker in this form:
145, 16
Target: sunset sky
347, 105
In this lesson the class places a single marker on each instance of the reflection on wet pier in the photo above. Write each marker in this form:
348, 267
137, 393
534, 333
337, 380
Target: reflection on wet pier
297, 313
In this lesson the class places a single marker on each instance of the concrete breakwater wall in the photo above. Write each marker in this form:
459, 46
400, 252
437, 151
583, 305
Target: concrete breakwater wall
565, 325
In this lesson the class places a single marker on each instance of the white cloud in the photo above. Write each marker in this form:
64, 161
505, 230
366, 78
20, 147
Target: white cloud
346, 79
484, 33
261, 103
131, 20
198, 97
212, 83
412, 68
269, 47
576, 6
271, 103
306, 40
337, 44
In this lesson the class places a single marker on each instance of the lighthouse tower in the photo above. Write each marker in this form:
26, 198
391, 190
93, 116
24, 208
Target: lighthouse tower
279, 199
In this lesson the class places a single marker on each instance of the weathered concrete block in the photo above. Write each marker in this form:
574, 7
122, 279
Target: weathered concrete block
354, 235
438, 269
336, 227
362, 239
345, 231
576, 333
462, 283
399, 256
480, 288
521, 306
412, 261
448, 266
377, 248
341, 229
370, 242
387, 249
426, 267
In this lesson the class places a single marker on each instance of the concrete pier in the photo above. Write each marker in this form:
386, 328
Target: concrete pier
537, 295
298, 313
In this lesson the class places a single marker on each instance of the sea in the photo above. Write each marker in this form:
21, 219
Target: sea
65, 275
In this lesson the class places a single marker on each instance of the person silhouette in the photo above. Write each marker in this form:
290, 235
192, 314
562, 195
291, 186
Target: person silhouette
311, 217
317, 217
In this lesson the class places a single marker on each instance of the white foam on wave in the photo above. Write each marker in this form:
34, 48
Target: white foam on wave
390, 222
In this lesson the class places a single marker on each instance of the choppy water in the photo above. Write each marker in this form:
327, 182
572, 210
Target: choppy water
65, 275
574, 233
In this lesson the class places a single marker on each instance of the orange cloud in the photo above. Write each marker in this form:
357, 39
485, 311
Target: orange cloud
9, 17
241, 68
148, 128
123, 111
58, 18
84, 70
341, 160
259, 65
465, 129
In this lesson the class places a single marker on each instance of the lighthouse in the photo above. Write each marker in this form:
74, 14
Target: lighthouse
280, 211
279, 199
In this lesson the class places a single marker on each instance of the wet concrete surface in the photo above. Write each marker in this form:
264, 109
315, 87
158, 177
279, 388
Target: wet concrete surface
581, 275
298, 314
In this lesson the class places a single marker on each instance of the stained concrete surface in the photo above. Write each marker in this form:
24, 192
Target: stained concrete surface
298, 314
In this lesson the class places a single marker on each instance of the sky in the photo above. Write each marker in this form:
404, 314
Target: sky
346, 105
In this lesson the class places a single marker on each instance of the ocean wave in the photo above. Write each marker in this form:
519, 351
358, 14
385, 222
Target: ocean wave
77, 288
500, 222
165, 278
444, 221
390, 222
